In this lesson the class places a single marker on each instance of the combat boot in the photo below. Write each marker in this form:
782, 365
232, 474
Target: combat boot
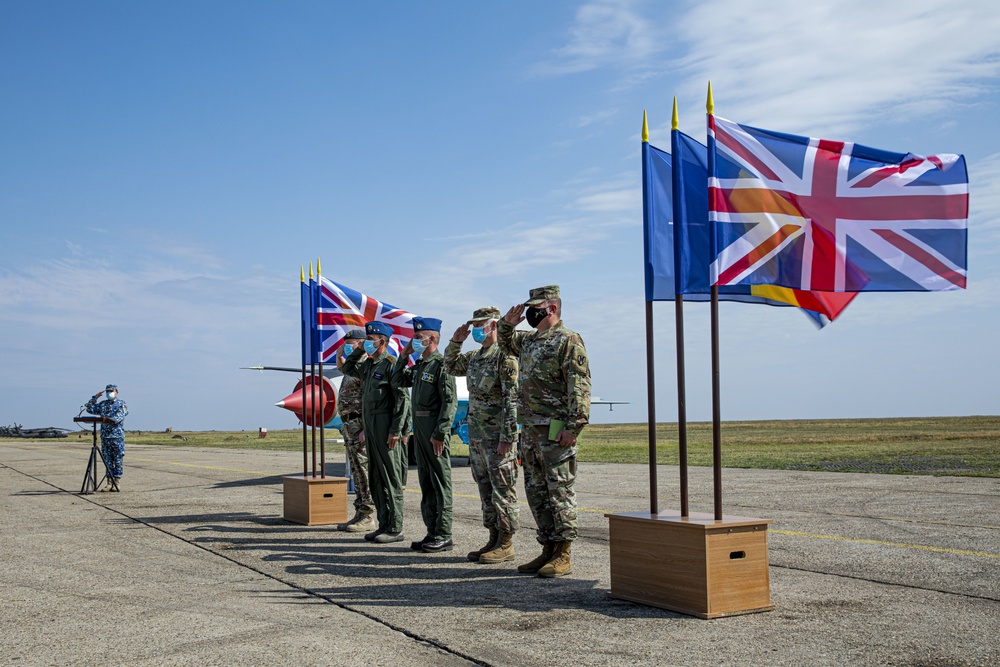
560, 564
502, 552
474, 555
118, 484
361, 523
533, 566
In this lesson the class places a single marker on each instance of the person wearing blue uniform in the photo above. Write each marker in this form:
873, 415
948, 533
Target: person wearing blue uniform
112, 435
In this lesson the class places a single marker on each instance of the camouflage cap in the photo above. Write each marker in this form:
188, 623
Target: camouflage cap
111, 387
488, 313
540, 294
355, 334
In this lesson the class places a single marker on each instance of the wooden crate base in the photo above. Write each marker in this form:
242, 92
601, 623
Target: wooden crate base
315, 501
693, 565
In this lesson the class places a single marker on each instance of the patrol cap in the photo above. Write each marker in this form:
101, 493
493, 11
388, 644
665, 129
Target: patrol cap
488, 313
111, 387
426, 324
380, 328
540, 294
355, 334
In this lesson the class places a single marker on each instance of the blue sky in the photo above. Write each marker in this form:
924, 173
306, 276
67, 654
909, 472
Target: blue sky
165, 169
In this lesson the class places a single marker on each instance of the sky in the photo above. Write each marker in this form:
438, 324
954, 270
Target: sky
167, 168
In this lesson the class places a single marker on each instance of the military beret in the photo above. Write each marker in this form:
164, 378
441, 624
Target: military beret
355, 334
111, 387
488, 313
380, 328
426, 324
540, 294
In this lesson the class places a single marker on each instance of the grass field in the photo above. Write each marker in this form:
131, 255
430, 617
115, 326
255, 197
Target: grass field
925, 446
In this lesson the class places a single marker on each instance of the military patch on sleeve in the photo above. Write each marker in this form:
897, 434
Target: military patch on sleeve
509, 372
580, 359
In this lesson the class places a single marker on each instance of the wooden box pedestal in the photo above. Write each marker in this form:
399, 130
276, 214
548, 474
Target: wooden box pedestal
315, 501
694, 565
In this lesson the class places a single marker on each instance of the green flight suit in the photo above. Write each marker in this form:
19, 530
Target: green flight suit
433, 402
383, 411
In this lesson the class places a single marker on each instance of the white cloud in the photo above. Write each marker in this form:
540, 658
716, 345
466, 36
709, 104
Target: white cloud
832, 67
605, 32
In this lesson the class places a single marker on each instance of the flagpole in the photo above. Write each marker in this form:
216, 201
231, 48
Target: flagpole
682, 453
305, 305
650, 375
312, 368
322, 383
716, 398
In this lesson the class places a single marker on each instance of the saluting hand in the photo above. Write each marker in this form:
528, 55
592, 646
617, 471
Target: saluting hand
515, 315
461, 333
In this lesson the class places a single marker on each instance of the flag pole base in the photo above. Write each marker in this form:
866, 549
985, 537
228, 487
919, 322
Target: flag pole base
315, 501
693, 565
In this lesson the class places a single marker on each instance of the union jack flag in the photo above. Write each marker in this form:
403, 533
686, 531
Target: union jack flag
814, 214
341, 309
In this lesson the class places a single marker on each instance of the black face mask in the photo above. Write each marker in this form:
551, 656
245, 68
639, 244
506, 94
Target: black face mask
535, 316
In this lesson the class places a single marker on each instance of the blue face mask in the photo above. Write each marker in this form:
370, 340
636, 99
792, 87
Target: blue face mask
370, 347
478, 334
348, 349
418, 345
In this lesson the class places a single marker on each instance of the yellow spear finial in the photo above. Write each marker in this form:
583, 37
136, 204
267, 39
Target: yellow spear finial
319, 271
645, 128
310, 270
710, 105
675, 122
302, 274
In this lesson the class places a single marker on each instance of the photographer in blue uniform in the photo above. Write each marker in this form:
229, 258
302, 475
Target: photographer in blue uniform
112, 435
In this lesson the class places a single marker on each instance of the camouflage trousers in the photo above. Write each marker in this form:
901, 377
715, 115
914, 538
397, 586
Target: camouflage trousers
496, 476
357, 454
114, 452
549, 475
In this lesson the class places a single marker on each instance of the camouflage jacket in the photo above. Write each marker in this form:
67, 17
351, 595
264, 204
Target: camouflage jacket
378, 396
492, 380
349, 405
554, 380
116, 410
433, 398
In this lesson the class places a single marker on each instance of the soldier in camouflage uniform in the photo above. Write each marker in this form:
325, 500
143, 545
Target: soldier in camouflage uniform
383, 412
349, 409
553, 407
492, 381
433, 403
112, 435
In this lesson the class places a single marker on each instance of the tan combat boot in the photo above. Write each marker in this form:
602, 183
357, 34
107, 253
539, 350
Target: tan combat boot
502, 552
560, 564
361, 523
474, 555
531, 567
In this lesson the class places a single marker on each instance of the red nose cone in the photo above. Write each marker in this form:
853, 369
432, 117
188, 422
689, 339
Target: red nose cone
317, 392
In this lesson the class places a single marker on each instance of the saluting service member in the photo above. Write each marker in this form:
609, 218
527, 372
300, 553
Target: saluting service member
492, 379
112, 435
383, 411
553, 407
433, 402
349, 401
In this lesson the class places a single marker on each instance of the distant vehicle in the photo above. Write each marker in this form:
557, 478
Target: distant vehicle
330, 383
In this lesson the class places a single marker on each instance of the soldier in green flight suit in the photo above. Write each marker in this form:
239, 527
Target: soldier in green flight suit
383, 412
492, 379
433, 402
553, 407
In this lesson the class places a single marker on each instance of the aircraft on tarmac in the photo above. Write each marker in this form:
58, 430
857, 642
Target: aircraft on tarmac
324, 390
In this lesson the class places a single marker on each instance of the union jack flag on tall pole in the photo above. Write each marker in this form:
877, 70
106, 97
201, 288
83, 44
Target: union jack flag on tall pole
834, 216
340, 309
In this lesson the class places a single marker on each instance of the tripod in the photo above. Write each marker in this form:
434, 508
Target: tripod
90, 482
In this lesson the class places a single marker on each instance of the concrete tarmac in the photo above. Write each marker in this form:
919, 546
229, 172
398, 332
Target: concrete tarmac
193, 564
